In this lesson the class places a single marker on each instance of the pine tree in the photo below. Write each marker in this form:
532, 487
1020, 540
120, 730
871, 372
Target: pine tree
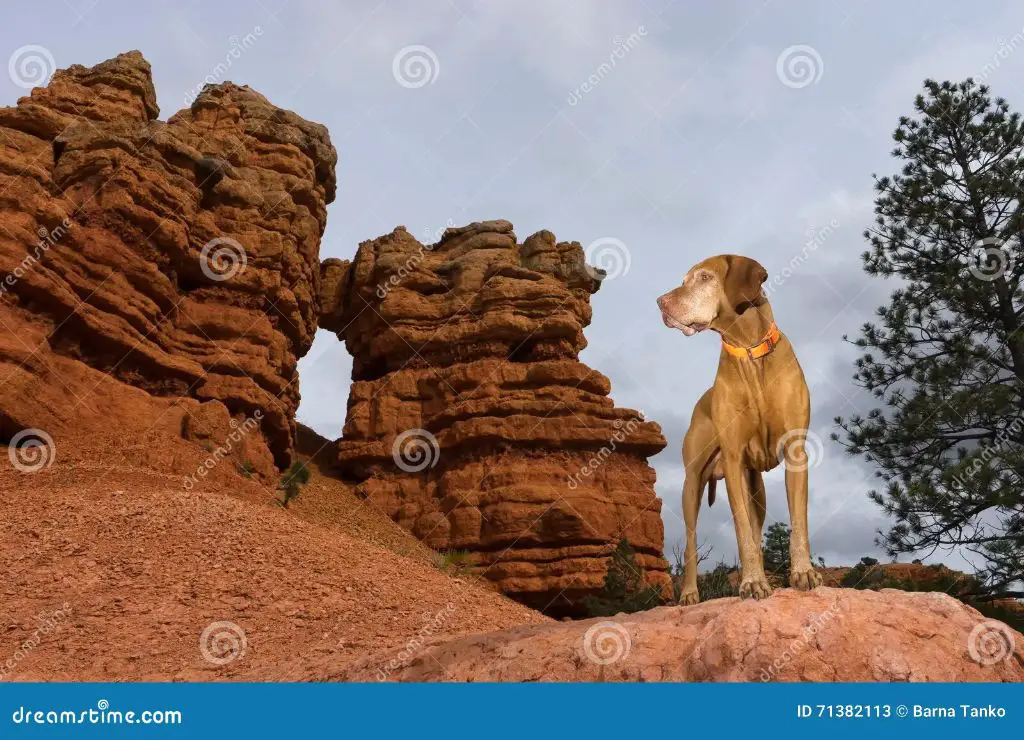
776, 551
947, 354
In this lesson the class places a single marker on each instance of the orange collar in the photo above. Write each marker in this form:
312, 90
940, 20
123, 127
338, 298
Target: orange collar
758, 350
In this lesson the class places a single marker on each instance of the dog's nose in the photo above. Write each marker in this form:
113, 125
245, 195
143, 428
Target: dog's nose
661, 302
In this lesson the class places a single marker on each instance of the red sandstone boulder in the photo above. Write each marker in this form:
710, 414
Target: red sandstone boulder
472, 422
827, 634
179, 258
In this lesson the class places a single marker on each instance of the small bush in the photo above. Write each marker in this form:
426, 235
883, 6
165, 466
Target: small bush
716, 583
292, 481
624, 587
247, 469
455, 562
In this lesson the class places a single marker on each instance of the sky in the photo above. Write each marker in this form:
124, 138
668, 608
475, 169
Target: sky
658, 131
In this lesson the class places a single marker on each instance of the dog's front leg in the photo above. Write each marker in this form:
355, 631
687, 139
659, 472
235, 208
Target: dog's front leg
692, 495
801, 573
753, 584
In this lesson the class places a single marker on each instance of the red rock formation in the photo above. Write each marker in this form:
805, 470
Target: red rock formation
827, 634
181, 258
472, 423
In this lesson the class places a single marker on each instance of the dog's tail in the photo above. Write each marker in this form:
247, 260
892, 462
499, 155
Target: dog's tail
711, 491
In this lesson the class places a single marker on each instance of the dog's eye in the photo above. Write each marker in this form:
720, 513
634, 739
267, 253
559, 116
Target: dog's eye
705, 276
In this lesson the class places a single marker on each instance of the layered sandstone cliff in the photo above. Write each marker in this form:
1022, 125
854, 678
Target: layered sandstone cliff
180, 258
472, 422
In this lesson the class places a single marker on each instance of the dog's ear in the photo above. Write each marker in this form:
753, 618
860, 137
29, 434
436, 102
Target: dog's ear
743, 279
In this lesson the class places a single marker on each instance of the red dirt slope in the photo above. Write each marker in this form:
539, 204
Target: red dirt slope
116, 578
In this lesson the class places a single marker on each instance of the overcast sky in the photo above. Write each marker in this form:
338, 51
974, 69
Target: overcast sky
750, 127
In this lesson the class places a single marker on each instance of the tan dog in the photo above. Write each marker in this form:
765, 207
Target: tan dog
754, 416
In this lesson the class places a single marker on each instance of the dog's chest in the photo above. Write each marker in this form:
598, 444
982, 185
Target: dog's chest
761, 449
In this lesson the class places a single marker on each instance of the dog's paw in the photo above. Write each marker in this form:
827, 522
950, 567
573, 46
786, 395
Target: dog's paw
689, 598
804, 580
755, 588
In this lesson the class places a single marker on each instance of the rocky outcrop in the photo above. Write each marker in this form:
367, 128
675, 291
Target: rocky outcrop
180, 257
471, 421
824, 635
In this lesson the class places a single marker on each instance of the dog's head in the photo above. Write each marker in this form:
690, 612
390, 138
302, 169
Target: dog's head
716, 288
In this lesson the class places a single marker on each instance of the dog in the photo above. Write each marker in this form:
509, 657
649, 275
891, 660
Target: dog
753, 418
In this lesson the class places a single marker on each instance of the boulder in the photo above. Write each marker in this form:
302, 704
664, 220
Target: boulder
471, 420
180, 258
828, 634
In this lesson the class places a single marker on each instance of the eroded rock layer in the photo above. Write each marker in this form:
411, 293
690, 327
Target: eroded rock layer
179, 257
472, 422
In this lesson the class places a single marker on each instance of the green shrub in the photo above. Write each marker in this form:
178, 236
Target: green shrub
292, 481
624, 587
455, 562
717, 582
